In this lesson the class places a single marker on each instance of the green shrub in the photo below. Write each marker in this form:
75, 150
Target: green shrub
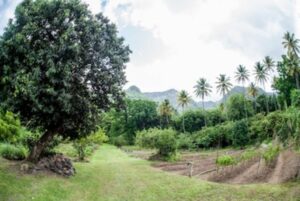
240, 136
249, 154
66, 149
185, 141
295, 97
271, 153
225, 160
162, 139
9, 127
237, 107
166, 143
99, 137
86, 145
13, 152
214, 136
120, 140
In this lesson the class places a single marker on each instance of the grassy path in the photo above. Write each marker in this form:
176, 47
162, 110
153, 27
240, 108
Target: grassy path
111, 175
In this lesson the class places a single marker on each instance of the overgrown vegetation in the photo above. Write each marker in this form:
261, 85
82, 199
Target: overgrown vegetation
164, 140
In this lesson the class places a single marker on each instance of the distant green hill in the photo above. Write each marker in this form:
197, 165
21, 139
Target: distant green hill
134, 92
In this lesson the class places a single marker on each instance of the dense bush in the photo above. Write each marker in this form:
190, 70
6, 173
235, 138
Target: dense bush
13, 152
214, 117
162, 139
136, 115
295, 98
10, 128
185, 141
85, 146
266, 103
194, 120
214, 136
240, 136
238, 107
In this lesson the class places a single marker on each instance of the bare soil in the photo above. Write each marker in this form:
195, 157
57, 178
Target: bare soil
285, 168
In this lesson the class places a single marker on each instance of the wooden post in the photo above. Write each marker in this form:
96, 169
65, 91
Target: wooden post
190, 166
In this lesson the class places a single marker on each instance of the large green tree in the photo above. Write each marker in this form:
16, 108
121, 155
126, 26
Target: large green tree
60, 66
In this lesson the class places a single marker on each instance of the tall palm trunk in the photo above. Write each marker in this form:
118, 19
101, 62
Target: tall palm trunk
183, 126
246, 113
205, 121
255, 107
267, 99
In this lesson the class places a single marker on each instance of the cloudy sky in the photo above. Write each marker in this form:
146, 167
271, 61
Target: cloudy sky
175, 42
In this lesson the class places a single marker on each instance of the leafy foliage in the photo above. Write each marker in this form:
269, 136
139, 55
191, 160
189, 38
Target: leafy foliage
194, 120
162, 139
53, 57
240, 133
220, 135
85, 146
136, 115
237, 107
225, 160
271, 153
13, 152
295, 98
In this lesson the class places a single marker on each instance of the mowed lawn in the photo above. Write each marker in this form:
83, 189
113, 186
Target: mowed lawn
113, 175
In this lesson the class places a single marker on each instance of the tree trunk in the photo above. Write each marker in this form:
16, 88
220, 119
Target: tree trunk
205, 121
245, 99
39, 146
183, 126
267, 100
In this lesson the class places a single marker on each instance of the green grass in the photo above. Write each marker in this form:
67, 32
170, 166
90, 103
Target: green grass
112, 175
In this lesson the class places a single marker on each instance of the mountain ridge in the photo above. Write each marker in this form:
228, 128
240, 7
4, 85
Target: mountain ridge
134, 92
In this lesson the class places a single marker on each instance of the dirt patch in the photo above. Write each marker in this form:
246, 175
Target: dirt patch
285, 168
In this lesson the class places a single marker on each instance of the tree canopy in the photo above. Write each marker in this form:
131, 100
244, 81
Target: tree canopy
60, 66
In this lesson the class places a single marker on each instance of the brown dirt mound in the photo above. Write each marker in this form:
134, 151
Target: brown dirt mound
285, 168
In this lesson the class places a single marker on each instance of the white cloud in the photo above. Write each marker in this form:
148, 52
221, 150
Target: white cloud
7, 9
94, 5
204, 40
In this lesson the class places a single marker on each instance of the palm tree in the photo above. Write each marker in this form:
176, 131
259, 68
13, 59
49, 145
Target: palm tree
202, 89
261, 76
291, 62
242, 75
291, 43
165, 111
223, 86
183, 100
269, 64
253, 92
